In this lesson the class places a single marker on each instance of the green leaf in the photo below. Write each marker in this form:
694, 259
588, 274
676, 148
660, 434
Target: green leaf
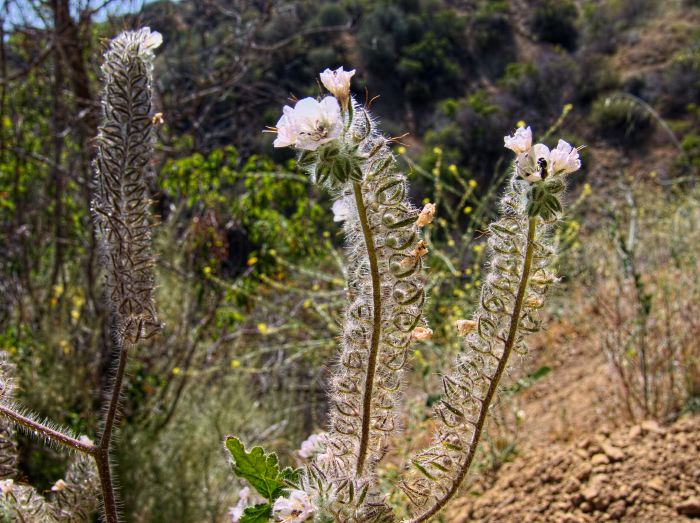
290, 475
257, 514
258, 468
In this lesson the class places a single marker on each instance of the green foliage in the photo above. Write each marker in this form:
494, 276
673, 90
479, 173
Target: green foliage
470, 131
417, 50
257, 514
620, 120
595, 76
542, 199
261, 470
682, 82
691, 146
554, 21
491, 36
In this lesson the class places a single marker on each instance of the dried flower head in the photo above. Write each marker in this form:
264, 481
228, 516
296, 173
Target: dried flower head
59, 486
422, 333
464, 327
426, 215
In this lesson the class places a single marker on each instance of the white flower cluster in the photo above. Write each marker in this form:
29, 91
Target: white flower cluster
311, 123
294, 509
534, 163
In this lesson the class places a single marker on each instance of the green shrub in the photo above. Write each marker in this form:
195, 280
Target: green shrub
554, 21
620, 120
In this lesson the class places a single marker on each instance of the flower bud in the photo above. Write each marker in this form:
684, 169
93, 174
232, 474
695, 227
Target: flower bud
338, 84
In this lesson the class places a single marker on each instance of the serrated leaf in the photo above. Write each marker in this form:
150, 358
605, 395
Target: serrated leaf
258, 468
290, 475
257, 514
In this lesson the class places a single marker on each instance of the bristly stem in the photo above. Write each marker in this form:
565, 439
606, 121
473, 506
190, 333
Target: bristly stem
114, 399
102, 449
376, 330
49, 433
493, 386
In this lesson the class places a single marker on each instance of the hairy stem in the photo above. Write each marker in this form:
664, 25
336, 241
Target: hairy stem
376, 330
102, 450
108, 498
114, 399
493, 386
49, 433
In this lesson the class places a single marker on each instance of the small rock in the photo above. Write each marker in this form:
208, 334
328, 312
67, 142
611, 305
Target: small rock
613, 453
652, 426
601, 502
599, 459
657, 484
590, 493
690, 507
592, 490
572, 485
635, 432
583, 471
586, 506
617, 509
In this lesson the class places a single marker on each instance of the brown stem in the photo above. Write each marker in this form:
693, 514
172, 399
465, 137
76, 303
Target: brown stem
376, 331
102, 451
49, 433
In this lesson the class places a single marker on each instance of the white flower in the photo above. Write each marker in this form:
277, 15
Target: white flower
313, 445
244, 500
6, 486
151, 39
520, 142
342, 209
236, 513
564, 159
309, 124
286, 129
338, 83
294, 509
530, 165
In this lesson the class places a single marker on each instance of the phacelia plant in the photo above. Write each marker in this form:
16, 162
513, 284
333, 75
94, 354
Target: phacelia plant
124, 148
342, 150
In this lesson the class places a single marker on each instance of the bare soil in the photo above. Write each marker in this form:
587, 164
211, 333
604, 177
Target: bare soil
579, 459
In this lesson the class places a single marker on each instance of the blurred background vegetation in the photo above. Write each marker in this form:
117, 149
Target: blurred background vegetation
250, 271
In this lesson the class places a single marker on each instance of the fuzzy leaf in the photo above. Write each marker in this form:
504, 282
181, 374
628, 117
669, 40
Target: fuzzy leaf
258, 468
291, 475
257, 514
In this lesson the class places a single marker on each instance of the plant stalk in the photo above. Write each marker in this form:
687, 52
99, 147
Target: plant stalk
493, 386
376, 330
49, 433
